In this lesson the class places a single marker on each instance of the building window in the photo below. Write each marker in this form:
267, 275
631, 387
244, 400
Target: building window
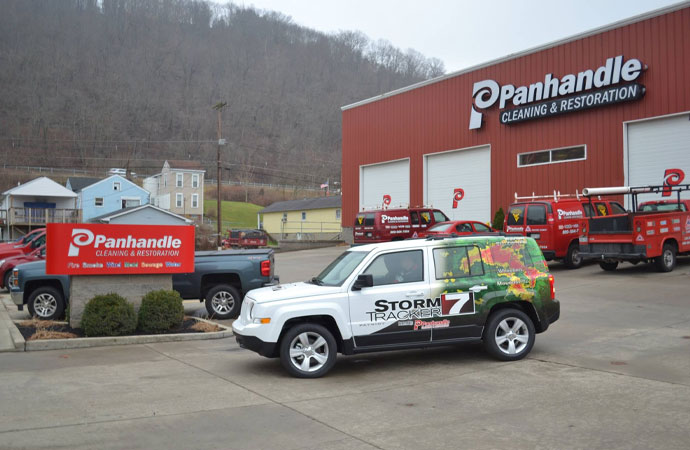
178, 200
195, 201
557, 155
337, 214
195, 180
98, 201
130, 202
165, 180
116, 186
178, 179
304, 215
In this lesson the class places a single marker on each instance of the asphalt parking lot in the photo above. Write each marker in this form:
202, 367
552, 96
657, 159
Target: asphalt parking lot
613, 372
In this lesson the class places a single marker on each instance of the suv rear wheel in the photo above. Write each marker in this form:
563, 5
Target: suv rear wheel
308, 350
573, 259
509, 334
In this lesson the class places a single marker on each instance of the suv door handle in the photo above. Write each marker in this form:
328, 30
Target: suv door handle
478, 288
414, 294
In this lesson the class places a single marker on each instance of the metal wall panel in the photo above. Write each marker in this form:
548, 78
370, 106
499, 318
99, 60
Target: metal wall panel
435, 117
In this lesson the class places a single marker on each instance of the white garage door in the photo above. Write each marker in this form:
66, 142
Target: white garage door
459, 183
658, 149
390, 180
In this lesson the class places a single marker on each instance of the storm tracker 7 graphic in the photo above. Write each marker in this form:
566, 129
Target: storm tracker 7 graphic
451, 304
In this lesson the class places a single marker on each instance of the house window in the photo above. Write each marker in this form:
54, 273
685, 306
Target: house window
195, 201
304, 215
116, 186
557, 155
178, 200
337, 214
98, 201
178, 179
165, 180
195, 180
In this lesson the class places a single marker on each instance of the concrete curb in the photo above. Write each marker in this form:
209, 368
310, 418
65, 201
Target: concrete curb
65, 344
15, 336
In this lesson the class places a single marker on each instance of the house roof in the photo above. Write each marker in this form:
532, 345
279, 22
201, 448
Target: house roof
186, 164
303, 205
105, 218
42, 187
79, 183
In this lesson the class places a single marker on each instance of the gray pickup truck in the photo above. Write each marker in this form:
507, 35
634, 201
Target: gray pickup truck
220, 278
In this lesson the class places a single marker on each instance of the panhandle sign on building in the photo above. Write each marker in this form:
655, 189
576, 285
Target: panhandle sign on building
98, 249
615, 70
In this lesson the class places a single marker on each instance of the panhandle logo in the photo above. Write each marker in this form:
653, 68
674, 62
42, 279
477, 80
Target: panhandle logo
393, 219
458, 195
82, 237
568, 214
487, 92
672, 177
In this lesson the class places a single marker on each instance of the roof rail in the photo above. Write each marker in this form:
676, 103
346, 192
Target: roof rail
555, 196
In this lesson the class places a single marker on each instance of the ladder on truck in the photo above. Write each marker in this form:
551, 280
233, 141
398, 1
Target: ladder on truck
555, 196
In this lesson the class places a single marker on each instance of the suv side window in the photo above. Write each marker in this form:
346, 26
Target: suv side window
369, 220
616, 208
516, 215
398, 267
536, 215
511, 255
589, 212
457, 262
414, 217
426, 216
463, 228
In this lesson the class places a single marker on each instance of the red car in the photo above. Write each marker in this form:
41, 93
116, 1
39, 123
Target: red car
6, 265
458, 227
28, 237
16, 250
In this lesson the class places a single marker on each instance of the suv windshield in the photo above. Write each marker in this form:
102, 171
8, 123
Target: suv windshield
337, 271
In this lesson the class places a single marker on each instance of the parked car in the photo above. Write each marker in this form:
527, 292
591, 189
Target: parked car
245, 239
410, 294
555, 222
8, 264
384, 225
665, 205
36, 241
648, 235
220, 279
458, 228
28, 237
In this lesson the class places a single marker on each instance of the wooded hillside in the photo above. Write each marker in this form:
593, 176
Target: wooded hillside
115, 83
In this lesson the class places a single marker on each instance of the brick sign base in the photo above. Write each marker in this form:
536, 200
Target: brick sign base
132, 287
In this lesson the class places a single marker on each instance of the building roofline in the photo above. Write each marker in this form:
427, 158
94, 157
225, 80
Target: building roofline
109, 217
594, 31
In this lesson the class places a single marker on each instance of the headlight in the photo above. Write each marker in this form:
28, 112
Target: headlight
250, 307
2, 261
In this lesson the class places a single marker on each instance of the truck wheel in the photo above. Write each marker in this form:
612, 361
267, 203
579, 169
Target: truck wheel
308, 350
223, 302
667, 260
7, 280
573, 259
608, 266
509, 334
46, 303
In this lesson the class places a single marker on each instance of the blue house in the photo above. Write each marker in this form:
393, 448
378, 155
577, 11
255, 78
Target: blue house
96, 198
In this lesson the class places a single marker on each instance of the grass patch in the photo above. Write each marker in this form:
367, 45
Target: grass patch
205, 327
235, 214
50, 334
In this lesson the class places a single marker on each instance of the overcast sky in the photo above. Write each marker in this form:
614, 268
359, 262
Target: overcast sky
461, 33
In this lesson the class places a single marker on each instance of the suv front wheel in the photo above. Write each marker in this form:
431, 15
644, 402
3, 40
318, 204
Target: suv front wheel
509, 334
308, 350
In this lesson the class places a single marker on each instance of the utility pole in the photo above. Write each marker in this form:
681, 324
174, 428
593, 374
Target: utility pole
219, 107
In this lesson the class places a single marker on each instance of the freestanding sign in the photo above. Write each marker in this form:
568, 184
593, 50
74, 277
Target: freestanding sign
100, 249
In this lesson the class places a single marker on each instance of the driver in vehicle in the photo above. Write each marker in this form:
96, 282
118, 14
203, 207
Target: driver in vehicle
408, 269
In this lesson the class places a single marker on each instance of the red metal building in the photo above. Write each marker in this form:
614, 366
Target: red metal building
605, 108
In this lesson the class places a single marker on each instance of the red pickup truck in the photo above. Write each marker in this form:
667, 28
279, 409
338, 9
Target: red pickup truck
644, 235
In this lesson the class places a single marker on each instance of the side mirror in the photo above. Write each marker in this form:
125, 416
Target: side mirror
363, 281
